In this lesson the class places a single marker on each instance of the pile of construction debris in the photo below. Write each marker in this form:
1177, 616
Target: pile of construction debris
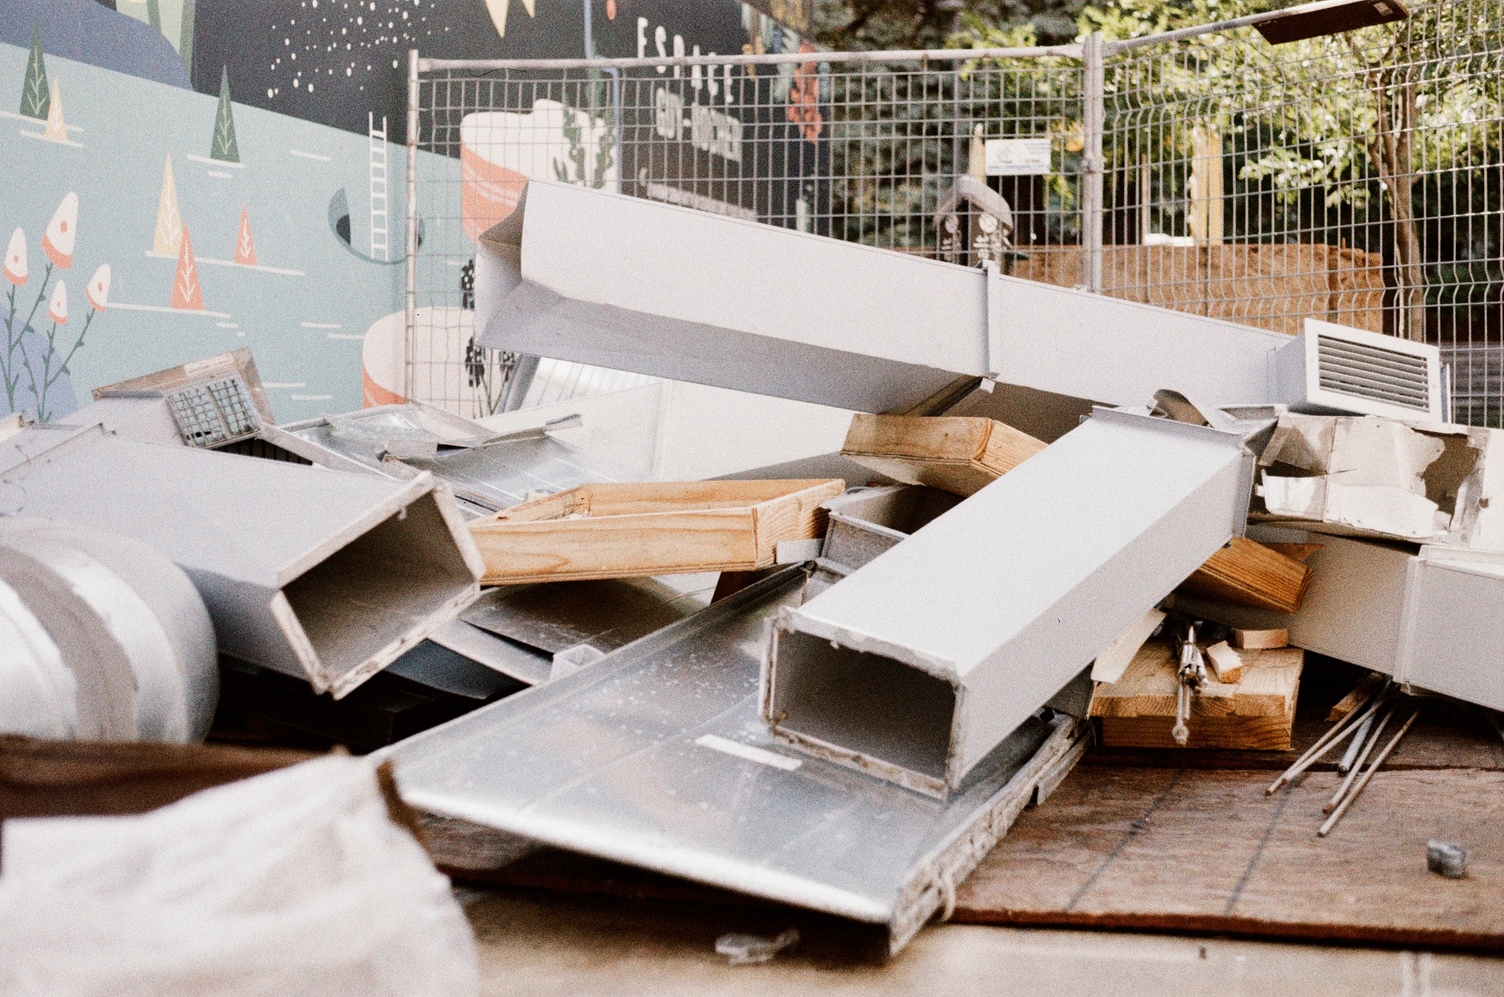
834, 685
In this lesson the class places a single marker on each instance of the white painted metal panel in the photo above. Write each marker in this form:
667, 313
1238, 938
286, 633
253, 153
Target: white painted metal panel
1454, 630
599, 278
1120, 352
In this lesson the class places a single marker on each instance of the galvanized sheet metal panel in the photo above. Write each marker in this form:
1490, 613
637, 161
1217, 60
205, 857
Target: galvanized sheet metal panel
626, 760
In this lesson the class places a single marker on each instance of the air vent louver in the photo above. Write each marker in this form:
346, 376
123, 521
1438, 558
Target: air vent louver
1376, 373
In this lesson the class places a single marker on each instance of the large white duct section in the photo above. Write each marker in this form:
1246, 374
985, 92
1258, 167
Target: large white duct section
600, 278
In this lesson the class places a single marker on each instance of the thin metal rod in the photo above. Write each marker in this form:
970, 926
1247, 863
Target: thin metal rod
1094, 124
1329, 740
410, 304
1352, 774
1332, 820
1353, 748
1113, 48
766, 59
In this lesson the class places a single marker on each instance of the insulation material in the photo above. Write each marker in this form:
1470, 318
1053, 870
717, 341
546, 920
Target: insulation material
293, 882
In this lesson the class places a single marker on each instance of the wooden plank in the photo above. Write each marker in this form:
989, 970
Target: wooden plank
1260, 639
634, 530
1366, 687
957, 454
1246, 573
1256, 713
1206, 851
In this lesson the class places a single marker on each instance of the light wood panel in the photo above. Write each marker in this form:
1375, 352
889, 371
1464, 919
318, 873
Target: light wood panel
958, 454
635, 530
1246, 573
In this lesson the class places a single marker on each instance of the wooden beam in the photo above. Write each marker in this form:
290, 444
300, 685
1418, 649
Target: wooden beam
957, 454
1246, 573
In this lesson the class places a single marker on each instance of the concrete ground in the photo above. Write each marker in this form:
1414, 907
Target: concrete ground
543, 944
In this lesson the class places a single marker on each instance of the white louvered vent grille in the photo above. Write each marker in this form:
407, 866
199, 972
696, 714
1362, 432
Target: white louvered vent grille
1373, 372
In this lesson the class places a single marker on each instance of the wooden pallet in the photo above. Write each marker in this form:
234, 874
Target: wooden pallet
661, 528
957, 454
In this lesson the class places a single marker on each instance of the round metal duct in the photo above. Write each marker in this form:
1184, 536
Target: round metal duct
101, 638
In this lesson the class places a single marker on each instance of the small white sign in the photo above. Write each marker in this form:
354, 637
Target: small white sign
1018, 157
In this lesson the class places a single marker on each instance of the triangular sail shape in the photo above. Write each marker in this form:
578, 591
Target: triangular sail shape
57, 130
245, 248
167, 238
186, 292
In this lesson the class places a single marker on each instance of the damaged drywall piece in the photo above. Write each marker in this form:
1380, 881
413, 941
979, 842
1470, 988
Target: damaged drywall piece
1037, 573
635, 530
952, 453
327, 576
1367, 476
101, 638
296, 881
656, 758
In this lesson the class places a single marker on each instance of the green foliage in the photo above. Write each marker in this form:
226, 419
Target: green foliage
907, 24
223, 146
36, 98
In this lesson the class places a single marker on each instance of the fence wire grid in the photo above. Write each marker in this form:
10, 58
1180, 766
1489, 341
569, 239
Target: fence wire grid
1356, 178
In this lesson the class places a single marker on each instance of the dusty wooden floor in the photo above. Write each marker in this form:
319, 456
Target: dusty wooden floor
542, 944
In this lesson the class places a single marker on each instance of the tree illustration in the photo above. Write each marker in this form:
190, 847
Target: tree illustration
36, 98
224, 147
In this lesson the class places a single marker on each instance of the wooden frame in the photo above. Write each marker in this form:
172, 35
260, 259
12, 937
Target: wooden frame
957, 454
630, 530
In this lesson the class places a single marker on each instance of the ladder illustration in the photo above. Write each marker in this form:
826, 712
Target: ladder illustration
380, 249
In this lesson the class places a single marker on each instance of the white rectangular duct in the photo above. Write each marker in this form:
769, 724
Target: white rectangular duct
919, 663
310, 572
601, 278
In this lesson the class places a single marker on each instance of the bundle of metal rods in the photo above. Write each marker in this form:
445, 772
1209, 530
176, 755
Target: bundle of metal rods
1365, 724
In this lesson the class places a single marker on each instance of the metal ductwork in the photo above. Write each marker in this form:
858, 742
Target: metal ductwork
101, 638
309, 572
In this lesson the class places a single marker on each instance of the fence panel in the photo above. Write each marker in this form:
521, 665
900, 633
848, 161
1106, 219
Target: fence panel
864, 150
1357, 177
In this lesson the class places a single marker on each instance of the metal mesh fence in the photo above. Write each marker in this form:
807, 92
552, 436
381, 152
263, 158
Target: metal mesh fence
1355, 178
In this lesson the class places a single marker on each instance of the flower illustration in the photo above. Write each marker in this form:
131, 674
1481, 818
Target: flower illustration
57, 241
98, 291
57, 309
15, 258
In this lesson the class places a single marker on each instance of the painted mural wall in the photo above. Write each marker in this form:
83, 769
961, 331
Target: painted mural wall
182, 177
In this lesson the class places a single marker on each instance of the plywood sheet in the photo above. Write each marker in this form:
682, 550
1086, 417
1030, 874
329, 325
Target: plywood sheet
1187, 850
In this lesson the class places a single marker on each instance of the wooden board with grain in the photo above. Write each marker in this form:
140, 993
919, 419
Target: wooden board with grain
1255, 714
1246, 573
957, 454
1207, 851
618, 530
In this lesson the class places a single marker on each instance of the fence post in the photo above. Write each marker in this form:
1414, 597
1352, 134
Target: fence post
410, 309
1094, 123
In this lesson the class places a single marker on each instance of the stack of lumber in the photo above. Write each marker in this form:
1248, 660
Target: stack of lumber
1255, 713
